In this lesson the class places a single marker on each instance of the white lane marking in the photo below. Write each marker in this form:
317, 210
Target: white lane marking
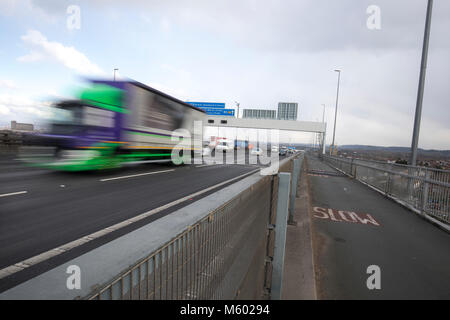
68, 246
206, 165
12, 193
137, 175
145, 161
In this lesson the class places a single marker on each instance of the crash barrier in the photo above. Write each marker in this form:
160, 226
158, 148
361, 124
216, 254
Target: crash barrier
232, 252
421, 189
227, 245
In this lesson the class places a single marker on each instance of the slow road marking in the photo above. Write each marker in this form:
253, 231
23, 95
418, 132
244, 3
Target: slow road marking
344, 216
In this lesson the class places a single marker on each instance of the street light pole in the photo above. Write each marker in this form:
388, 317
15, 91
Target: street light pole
237, 104
115, 74
332, 147
323, 133
423, 70
323, 115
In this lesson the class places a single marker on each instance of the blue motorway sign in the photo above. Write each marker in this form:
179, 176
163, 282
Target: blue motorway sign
207, 104
219, 112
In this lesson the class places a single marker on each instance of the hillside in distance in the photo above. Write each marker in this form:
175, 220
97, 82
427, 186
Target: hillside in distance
393, 153
393, 149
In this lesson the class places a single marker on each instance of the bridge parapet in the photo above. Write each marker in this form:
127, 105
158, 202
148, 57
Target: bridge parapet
219, 247
423, 190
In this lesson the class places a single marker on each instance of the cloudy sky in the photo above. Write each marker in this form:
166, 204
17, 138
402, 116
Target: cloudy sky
254, 52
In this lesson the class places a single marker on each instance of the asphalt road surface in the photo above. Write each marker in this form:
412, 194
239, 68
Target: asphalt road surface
41, 210
355, 227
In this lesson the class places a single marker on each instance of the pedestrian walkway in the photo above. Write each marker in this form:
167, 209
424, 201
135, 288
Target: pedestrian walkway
357, 232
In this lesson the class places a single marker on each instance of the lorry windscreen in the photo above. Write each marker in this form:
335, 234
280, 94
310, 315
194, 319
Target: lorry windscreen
66, 119
68, 114
71, 118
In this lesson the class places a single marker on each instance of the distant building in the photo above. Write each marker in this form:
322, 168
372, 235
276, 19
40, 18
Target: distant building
21, 126
287, 110
260, 114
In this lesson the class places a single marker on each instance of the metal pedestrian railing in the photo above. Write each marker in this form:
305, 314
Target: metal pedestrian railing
422, 189
225, 255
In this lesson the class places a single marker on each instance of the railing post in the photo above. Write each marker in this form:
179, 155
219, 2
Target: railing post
410, 184
280, 234
293, 195
388, 184
300, 166
426, 188
351, 168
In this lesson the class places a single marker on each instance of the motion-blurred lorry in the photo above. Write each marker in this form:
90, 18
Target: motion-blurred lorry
116, 122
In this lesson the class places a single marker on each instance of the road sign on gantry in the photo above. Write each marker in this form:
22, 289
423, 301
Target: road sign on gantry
218, 112
207, 104
213, 108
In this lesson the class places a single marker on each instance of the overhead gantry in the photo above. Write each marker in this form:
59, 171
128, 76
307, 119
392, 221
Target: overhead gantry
269, 124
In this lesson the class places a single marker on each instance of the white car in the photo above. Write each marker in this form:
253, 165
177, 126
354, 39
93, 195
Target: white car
257, 151
274, 149
224, 147
206, 151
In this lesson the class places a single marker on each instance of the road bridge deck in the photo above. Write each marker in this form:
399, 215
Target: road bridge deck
41, 210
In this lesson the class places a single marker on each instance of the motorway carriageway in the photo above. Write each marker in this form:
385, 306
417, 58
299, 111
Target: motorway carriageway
42, 210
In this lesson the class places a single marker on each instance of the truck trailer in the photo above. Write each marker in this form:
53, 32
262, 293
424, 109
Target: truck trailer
112, 123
